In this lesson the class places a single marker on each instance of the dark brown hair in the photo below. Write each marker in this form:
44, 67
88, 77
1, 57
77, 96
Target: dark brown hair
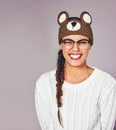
59, 82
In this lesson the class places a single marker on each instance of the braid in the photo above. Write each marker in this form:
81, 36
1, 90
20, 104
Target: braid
59, 80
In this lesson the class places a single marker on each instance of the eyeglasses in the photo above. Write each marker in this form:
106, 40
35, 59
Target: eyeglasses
83, 44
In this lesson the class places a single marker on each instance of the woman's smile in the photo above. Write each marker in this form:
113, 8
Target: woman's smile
75, 56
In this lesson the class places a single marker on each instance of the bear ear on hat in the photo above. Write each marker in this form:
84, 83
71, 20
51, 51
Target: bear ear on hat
86, 17
62, 17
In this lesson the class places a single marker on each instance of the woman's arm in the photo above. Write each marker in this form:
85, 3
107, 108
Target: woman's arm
42, 104
108, 106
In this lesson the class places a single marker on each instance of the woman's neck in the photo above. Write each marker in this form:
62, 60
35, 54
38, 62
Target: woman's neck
77, 74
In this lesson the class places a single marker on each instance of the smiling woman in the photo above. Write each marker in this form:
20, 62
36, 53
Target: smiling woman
75, 52
75, 96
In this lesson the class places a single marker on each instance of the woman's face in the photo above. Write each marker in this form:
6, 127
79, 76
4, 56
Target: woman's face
75, 50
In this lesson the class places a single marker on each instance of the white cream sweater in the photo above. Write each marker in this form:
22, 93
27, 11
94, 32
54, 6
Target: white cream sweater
89, 105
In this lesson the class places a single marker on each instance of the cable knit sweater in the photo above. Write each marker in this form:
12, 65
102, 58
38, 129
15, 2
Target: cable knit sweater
89, 105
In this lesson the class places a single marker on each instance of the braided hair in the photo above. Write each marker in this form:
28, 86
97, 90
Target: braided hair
59, 82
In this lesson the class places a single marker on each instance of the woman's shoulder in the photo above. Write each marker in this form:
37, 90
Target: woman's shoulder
44, 84
104, 76
46, 77
48, 74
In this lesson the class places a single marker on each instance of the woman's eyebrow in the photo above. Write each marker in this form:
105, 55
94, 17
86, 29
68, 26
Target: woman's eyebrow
82, 40
68, 40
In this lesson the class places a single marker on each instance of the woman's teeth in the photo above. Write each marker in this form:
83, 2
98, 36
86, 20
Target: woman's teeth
75, 56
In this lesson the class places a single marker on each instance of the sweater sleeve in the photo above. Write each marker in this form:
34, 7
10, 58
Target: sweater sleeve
108, 105
42, 104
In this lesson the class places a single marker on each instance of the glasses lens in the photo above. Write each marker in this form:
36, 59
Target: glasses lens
83, 44
68, 43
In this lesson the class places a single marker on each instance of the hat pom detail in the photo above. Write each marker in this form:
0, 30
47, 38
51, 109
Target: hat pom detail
86, 17
62, 17
73, 26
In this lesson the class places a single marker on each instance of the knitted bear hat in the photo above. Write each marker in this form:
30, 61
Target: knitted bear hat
75, 25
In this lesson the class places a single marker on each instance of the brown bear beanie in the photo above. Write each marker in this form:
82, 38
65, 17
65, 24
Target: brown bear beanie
75, 25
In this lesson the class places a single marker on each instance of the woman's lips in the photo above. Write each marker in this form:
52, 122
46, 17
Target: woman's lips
75, 56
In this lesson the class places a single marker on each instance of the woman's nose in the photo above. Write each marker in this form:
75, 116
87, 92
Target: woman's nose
75, 47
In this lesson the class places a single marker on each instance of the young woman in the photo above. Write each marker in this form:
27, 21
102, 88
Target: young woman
75, 96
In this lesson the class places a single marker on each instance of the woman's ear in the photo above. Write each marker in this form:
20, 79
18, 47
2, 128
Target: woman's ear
60, 46
91, 46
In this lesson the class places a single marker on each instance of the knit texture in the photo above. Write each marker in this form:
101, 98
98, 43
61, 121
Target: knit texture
75, 25
89, 105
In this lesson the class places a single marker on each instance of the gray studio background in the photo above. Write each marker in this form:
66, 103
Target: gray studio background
28, 48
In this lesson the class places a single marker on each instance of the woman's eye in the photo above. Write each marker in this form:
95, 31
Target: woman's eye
67, 42
83, 42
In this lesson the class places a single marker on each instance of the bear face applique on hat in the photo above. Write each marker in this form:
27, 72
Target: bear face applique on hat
74, 25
